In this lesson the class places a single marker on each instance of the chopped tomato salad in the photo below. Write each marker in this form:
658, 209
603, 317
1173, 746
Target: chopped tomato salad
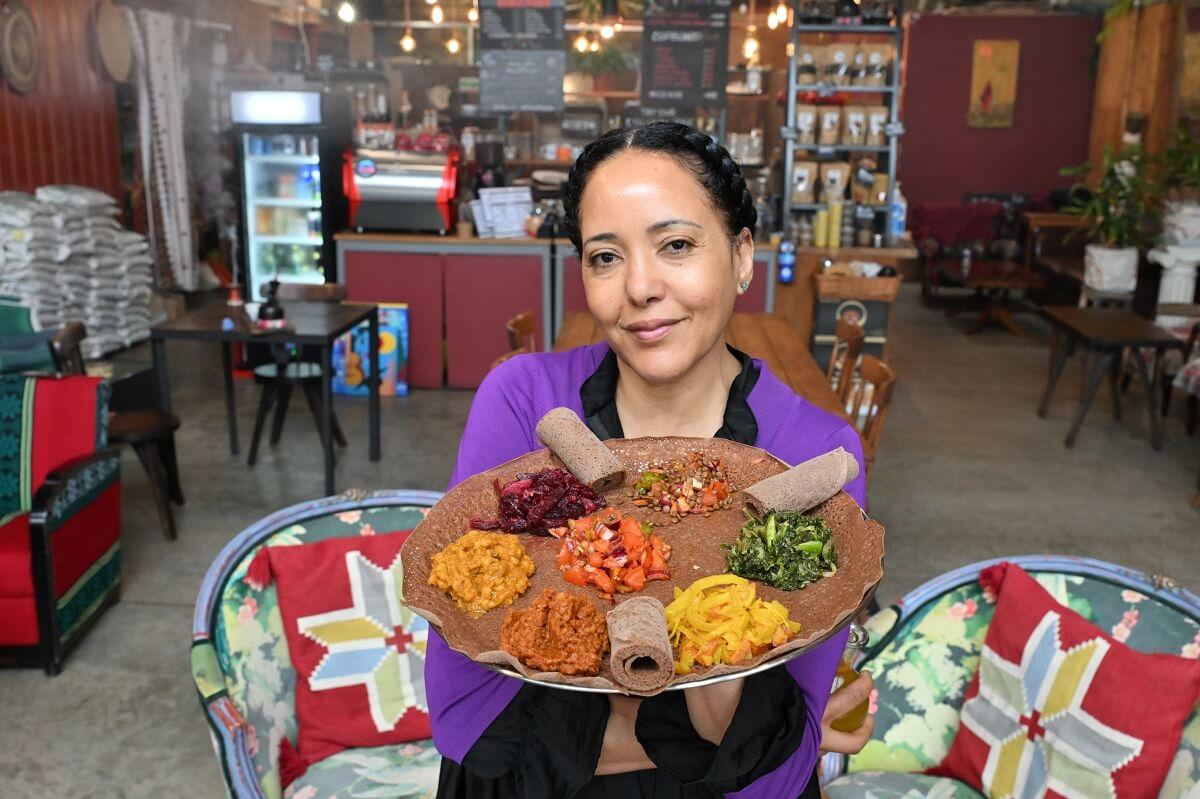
611, 551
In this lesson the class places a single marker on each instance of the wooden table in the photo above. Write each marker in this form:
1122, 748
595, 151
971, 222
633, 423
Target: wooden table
995, 279
1105, 334
309, 324
1039, 222
766, 336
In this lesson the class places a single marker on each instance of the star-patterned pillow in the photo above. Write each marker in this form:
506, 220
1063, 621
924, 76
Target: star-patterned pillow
359, 653
1058, 708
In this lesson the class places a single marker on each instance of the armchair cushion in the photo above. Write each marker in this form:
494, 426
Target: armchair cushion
358, 651
1060, 705
897, 785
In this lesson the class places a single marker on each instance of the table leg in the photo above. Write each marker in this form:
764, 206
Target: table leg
1114, 384
373, 387
158, 350
1003, 314
327, 413
230, 405
1151, 380
986, 314
1062, 347
1100, 364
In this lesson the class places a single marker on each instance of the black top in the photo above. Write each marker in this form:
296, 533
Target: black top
547, 741
1111, 327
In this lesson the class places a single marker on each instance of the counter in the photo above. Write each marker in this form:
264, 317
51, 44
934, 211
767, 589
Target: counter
462, 291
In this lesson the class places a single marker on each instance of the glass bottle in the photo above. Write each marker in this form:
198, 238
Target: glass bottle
846, 674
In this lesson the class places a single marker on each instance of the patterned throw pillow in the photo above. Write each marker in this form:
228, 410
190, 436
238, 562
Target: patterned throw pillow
358, 652
1058, 708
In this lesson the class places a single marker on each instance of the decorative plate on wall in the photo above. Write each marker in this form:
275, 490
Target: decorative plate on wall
20, 54
112, 41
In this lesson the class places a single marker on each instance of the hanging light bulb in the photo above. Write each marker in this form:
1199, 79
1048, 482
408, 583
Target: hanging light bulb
772, 22
581, 43
606, 31
347, 13
437, 15
594, 46
472, 14
781, 12
750, 46
620, 23
408, 43
453, 45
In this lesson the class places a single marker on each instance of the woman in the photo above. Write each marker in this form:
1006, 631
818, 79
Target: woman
662, 220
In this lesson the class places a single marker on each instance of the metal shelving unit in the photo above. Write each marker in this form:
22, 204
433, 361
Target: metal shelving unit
895, 32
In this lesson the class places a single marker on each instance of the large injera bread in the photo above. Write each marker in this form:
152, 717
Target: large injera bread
822, 608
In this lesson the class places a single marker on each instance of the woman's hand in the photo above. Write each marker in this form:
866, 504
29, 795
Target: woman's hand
620, 751
711, 708
840, 703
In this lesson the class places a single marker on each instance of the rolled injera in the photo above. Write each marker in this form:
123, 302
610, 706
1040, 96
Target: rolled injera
805, 486
641, 656
584, 455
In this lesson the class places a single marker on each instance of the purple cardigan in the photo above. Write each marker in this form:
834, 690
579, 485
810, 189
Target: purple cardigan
465, 698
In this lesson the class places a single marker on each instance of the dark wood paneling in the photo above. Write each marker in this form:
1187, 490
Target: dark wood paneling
65, 131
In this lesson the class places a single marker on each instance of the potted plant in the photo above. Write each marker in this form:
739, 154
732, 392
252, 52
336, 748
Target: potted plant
1179, 186
1117, 209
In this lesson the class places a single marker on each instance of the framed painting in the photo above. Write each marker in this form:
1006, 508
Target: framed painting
994, 83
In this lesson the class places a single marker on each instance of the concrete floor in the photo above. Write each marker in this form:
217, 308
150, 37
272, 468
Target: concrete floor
966, 471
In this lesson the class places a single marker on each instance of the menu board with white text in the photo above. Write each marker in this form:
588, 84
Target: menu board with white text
522, 57
685, 52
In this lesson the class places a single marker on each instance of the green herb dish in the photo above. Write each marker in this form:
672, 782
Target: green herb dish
786, 550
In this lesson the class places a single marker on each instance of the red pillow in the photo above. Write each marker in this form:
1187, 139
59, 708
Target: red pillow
359, 654
1058, 704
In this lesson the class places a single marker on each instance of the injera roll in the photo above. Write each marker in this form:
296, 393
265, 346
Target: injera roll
804, 486
642, 659
584, 455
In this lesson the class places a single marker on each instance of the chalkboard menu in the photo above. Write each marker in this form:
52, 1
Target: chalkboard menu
638, 115
685, 52
522, 56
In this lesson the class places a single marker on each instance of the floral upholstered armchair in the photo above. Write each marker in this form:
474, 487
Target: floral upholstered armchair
243, 673
927, 649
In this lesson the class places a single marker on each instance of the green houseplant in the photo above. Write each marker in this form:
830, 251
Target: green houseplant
1118, 208
1179, 186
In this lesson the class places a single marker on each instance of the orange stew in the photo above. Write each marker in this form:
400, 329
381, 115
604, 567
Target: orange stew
558, 632
611, 551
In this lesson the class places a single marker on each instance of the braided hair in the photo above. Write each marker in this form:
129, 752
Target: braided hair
711, 164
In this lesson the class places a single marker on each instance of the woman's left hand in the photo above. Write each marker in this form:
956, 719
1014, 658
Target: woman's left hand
841, 702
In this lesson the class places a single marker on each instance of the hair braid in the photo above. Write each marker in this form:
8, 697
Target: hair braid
711, 163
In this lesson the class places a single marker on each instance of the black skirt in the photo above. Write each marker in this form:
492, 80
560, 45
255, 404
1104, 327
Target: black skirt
546, 743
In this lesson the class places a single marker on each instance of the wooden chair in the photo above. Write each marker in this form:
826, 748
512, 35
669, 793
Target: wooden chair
868, 403
150, 432
278, 379
844, 357
508, 355
522, 333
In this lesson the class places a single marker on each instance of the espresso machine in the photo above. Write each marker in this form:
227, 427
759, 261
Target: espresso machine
410, 192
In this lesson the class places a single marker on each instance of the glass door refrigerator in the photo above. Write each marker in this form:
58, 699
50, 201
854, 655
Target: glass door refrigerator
289, 146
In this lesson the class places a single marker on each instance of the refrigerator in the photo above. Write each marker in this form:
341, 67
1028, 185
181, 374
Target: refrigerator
289, 147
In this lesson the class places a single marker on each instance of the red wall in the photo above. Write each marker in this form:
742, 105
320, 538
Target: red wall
65, 131
941, 159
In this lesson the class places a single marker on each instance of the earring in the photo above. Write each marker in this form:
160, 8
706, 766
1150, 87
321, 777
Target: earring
745, 284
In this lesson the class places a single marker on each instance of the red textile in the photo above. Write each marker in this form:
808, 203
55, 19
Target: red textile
65, 414
1082, 702
346, 662
18, 621
16, 570
84, 537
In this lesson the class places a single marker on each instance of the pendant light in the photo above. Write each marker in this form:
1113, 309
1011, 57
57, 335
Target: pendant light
453, 45
750, 46
772, 21
606, 31
473, 13
594, 46
781, 13
407, 42
581, 43
347, 12
437, 15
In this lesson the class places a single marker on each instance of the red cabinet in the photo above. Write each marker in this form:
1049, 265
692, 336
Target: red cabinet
482, 293
379, 275
460, 294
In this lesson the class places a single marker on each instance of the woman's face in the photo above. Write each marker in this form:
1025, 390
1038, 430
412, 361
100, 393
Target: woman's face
659, 270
